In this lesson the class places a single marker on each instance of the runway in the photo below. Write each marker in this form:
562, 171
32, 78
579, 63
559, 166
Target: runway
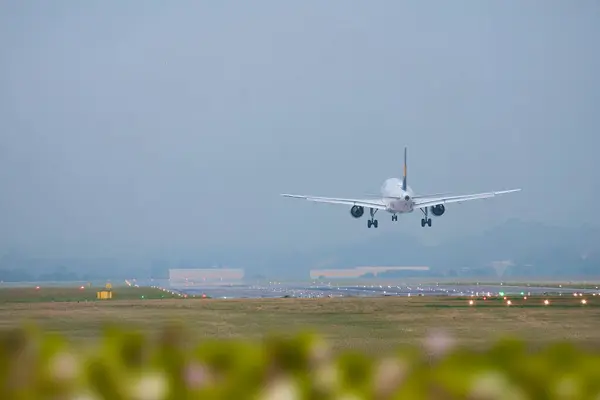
332, 290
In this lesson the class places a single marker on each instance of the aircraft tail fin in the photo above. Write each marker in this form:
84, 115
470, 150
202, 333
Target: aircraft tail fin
404, 180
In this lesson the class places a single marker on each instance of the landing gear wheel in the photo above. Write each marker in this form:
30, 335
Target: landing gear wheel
372, 222
394, 218
426, 220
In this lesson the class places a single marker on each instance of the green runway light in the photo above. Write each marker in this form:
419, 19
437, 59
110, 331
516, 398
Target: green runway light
501, 293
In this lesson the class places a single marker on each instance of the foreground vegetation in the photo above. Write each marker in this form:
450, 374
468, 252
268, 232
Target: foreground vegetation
129, 364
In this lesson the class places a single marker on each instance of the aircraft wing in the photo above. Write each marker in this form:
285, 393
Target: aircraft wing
426, 201
368, 203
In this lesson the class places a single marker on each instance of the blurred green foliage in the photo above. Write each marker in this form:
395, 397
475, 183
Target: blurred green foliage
132, 365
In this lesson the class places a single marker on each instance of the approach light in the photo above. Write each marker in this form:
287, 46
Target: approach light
525, 298
583, 301
509, 302
471, 302
546, 302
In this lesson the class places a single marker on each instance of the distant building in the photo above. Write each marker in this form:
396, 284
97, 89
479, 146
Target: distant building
358, 272
204, 276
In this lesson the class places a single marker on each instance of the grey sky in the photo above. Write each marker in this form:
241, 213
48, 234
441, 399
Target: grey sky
175, 125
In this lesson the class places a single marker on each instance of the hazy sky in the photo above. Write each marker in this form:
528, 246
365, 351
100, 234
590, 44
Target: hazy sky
133, 126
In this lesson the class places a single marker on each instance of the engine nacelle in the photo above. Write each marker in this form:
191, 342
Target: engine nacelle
357, 211
438, 210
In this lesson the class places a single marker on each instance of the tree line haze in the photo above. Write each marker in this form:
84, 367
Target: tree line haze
513, 250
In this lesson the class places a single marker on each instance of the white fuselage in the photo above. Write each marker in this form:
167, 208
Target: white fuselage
396, 198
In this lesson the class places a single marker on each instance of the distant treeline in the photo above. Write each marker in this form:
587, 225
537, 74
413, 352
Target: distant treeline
519, 249
69, 275
567, 270
403, 274
16, 275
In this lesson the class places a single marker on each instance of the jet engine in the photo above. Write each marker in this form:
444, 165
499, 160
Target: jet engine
438, 210
357, 211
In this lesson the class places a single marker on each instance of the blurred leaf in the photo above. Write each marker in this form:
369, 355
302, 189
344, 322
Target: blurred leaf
129, 365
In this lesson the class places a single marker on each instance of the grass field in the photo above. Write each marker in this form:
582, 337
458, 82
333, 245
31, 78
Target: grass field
78, 294
376, 325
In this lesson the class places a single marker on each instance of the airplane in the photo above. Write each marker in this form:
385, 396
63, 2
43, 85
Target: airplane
399, 198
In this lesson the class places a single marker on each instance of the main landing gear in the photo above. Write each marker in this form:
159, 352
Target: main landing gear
394, 217
372, 222
426, 220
